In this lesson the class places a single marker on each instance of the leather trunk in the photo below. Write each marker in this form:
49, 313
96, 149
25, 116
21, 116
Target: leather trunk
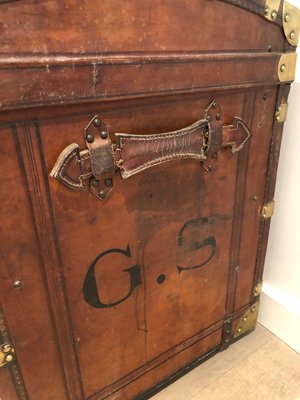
140, 142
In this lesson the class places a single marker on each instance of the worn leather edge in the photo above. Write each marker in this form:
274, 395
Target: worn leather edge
274, 151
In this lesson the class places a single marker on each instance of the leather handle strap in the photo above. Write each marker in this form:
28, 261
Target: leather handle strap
95, 166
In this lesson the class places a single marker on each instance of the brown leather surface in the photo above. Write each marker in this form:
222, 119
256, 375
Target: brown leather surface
119, 297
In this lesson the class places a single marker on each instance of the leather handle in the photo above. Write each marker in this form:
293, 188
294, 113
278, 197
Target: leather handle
95, 166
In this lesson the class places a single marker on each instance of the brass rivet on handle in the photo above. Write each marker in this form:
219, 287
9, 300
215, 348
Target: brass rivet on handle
218, 116
108, 182
239, 330
287, 17
252, 309
95, 182
267, 10
104, 134
89, 138
97, 122
102, 194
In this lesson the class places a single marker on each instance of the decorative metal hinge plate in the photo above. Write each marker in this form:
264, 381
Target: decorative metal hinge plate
6, 354
287, 67
268, 210
247, 321
291, 23
281, 113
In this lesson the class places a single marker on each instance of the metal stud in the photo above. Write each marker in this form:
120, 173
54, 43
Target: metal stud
239, 330
104, 134
282, 67
95, 182
102, 194
274, 15
208, 118
292, 35
9, 358
218, 116
277, 118
17, 284
287, 17
253, 309
6, 348
97, 122
267, 10
214, 105
89, 138
108, 182
244, 319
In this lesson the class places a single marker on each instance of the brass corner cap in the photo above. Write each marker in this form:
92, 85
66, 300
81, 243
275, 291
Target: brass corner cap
247, 321
268, 210
287, 67
291, 23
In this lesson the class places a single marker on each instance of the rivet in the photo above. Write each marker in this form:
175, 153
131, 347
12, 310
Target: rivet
228, 331
267, 10
277, 118
104, 134
208, 118
292, 35
254, 198
8, 358
252, 309
270, 49
282, 67
102, 194
97, 122
89, 138
239, 330
17, 284
265, 97
108, 182
214, 105
227, 340
6, 348
209, 167
245, 319
287, 17
274, 15
218, 116
95, 182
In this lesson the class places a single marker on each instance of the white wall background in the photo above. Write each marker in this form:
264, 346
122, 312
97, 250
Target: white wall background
280, 300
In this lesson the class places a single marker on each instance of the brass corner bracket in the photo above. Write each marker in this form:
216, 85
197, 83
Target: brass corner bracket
287, 67
281, 113
290, 18
6, 354
291, 23
268, 210
247, 321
